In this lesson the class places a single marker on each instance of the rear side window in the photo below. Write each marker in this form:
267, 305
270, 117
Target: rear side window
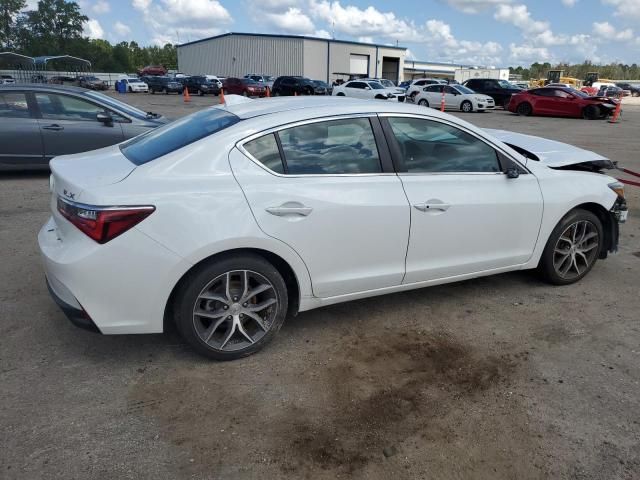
13, 105
331, 148
177, 134
265, 150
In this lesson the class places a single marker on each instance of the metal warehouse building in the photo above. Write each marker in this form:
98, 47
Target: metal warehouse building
236, 54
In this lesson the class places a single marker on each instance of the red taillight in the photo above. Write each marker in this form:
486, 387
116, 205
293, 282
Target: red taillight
103, 224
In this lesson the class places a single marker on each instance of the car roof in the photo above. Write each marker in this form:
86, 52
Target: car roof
48, 88
318, 106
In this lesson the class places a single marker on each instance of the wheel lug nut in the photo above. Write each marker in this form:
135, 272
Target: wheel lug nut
244, 304
226, 307
235, 299
229, 317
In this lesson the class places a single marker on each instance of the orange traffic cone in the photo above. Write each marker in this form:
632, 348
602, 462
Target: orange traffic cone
442, 101
616, 112
187, 97
268, 92
222, 96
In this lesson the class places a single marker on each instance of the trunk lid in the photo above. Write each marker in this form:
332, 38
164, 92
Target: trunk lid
550, 152
73, 175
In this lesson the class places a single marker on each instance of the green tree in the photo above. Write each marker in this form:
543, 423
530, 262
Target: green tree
9, 10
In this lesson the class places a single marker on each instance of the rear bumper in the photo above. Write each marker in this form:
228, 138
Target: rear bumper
76, 315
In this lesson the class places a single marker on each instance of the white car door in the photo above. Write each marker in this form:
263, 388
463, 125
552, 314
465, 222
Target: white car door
467, 216
434, 95
452, 98
332, 198
355, 89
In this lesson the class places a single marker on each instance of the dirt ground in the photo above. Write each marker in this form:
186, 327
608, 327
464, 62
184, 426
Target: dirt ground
502, 377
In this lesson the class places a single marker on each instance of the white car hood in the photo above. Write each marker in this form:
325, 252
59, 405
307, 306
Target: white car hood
550, 152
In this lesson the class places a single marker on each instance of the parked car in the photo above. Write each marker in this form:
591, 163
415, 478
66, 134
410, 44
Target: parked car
134, 85
7, 80
295, 85
38, 122
390, 87
153, 70
456, 97
499, 90
243, 86
565, 102
322, 88
591, 91
611, 91
417, 84
200, 85
64, 80
39, 78
164, 85
364, 89
280, 204
216, 79
91, 82
634, 89
265, 80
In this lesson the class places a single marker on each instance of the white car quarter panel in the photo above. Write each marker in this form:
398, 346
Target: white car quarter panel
491, 222
355, 237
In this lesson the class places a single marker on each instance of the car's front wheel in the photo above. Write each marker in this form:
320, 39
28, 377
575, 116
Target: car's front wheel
423, 102
466, 106
231, 308
573, 248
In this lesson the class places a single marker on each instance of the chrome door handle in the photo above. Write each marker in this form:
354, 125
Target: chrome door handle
425, 207
54, 127
284, 210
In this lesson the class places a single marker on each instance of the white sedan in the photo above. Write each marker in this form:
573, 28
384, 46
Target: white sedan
364, 89
135, 85
456, 97
233, 218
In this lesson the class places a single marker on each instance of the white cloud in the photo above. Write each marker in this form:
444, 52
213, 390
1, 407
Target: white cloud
519, 16
625, 8
322, 34
447, 48
569, 3
365, 39
92, 29
353, 21
182, 20
607, 31
101, 7
291, 21
526, 55
475, 6
121, 29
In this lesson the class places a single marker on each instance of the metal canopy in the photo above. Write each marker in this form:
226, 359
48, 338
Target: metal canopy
43, 61
15, 60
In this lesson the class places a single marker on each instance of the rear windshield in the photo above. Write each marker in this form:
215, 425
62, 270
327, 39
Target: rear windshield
175, 135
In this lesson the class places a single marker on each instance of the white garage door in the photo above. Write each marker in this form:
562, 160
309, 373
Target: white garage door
359, 64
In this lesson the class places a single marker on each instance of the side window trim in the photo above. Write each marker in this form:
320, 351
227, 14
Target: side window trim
385, 156
398, 161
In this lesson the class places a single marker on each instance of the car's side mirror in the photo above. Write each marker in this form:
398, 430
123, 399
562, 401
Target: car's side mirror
512, 172
105, 117
367, 88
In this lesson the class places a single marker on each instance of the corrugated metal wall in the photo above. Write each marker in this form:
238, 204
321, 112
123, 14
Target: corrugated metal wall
237, 55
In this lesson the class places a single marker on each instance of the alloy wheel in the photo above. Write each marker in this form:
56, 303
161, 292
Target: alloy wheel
235, 310
576, 249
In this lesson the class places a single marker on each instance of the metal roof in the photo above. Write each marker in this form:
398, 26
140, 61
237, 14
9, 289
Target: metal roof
43, 60
304, 37
15, 59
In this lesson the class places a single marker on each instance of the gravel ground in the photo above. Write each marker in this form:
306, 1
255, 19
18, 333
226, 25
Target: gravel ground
500, 378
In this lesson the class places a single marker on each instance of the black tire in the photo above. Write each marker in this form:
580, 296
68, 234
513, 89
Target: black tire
525, 109
130, 90
505, 103
635, 94
340, 94
245, 94
201, 93
380, 97
423, 102
466, 106
192, 286
591, 112
153, 91
547, 267
276, 93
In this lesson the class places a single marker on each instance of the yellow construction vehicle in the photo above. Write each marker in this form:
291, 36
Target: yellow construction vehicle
557, 76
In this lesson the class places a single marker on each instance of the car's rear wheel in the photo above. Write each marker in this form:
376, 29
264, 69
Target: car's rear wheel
591, 112
423, 102
340, 94
153, 91
231, 308
505, 103
573, 248
466, 106
525, 109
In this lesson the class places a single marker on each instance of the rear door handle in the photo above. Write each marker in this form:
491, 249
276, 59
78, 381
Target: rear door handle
54, 127
426, 207
288, 209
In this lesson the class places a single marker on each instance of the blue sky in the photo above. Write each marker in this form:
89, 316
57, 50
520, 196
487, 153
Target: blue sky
483, 32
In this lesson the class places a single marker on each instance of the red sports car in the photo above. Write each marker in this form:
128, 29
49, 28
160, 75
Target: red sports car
561, 102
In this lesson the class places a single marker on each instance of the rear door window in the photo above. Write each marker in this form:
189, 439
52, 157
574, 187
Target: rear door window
265, 150
14, 105
177, 134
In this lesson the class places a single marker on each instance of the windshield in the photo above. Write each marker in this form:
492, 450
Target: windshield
375, 86
579, 93
134, 80
175, 135
93, 79
505, 84
463, 89
117, 105
387, 83
267, 78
